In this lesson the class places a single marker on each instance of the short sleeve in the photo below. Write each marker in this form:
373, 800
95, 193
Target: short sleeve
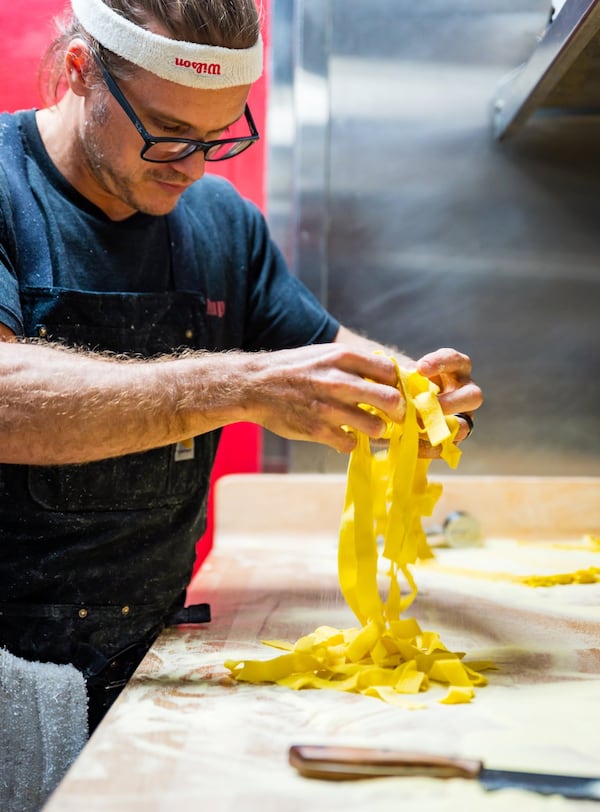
283, 313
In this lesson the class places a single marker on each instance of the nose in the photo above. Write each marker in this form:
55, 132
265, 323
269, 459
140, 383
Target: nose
193, 166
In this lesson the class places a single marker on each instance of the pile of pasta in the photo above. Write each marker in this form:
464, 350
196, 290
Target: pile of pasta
387, 494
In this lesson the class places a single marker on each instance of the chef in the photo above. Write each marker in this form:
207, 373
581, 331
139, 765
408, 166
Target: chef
144, 306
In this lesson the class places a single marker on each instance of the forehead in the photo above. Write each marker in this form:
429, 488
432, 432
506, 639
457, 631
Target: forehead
190, 105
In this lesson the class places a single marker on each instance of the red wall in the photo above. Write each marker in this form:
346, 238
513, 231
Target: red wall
25, 30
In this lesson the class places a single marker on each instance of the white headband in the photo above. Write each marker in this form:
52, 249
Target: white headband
186, 63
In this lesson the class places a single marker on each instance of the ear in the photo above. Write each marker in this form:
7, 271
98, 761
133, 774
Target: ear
77, 67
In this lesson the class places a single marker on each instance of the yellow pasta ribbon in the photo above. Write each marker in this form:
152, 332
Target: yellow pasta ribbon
387, 493
591, 575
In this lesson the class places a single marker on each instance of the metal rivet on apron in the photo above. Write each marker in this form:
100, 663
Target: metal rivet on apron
42, 332
125, 610
83, 613
189, 334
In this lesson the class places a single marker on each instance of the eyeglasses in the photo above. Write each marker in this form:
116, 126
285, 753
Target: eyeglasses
167, 150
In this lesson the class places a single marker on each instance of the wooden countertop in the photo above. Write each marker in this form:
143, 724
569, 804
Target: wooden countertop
184, 736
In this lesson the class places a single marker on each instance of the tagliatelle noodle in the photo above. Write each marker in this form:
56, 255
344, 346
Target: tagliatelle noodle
387, 494
591, 575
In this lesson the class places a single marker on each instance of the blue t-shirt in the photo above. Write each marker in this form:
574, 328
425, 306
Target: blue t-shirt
236, 266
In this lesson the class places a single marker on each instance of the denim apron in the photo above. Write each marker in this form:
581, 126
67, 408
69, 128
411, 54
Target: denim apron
97, 557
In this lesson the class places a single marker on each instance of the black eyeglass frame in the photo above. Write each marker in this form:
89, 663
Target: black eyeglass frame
193, 145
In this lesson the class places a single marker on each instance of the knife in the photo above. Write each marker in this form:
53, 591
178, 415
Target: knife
348, 763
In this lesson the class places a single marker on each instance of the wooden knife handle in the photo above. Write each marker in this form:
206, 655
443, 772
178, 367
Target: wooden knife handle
346, 763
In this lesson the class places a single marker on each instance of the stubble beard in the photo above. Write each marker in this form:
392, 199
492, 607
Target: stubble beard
111, 181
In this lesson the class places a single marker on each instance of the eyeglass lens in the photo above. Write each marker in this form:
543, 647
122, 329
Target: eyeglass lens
165, 151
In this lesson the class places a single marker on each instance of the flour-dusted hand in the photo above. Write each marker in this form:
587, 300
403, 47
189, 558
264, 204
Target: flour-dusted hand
448, 368
313, 393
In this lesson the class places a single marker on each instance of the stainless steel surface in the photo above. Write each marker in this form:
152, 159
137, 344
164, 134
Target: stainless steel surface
561, 76
413, 224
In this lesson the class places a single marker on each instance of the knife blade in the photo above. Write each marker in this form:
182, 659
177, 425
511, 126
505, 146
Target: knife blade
337, 763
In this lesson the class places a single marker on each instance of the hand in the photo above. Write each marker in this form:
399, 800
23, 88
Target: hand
451, 371
311, 392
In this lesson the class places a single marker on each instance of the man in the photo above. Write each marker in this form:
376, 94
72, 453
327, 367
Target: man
162, 312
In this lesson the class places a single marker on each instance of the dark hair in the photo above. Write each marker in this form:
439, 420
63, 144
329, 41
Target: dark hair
225, 23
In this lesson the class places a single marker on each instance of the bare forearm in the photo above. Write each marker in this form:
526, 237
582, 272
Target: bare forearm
61, 407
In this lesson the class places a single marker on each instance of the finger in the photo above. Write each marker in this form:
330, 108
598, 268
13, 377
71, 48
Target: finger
342, 440
353, 391
375, 426
340, 427
372, 366
465, 427
451, 370
352, 377
467, 398
428, 451
445, 361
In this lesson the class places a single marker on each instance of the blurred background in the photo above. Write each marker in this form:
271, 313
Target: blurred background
395, 201
400, 208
